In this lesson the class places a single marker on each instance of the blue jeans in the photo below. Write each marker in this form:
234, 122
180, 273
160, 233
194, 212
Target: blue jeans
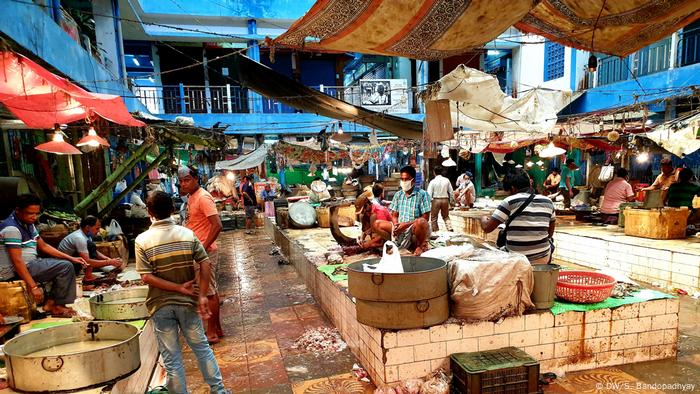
59, 273
166, 322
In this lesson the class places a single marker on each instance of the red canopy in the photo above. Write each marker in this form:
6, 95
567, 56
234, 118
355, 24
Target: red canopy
41, 99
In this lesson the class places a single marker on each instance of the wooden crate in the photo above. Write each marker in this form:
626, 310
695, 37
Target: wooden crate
664, 223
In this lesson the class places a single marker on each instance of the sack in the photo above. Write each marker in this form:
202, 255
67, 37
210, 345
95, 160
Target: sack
390, 263
114, 230
606, 173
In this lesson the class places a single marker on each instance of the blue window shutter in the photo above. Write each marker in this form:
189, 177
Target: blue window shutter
553, 60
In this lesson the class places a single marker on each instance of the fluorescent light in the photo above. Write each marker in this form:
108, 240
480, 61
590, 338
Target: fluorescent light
136, 61
493, 52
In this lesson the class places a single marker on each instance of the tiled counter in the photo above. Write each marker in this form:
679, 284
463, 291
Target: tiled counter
570, 341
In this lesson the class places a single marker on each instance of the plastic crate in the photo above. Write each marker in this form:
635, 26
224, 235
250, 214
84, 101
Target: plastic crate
506, 370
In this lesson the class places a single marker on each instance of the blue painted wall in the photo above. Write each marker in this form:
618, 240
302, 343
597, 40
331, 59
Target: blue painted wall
271, 9
33, 28
623, 93
269, 124
316, 72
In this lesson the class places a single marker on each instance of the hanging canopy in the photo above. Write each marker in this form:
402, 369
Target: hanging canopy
679, 138
435, 29
249, 160
478, 103
267, 82
41, 99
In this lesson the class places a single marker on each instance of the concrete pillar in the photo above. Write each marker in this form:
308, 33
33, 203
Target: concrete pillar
108, 36
422, 78
674, 51
478, 157
403, 71
157, 80
207, 92
254, 99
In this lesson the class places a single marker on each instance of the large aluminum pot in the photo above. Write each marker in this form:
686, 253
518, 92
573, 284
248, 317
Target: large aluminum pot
423, 278
75, 369
124, 305
416, 298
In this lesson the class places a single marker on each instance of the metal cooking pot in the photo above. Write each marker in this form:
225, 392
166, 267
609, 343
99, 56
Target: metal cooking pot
104, 307
73, 370
423, 278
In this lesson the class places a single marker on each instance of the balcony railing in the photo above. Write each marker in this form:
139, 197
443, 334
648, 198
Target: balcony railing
689, 47
192, 99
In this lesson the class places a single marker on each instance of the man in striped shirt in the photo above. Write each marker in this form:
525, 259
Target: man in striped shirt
531, 231
166, 255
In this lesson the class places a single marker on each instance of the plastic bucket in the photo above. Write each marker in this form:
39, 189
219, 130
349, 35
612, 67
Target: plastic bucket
546, 276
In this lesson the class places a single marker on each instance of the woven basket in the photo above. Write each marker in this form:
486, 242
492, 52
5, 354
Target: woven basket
584, 287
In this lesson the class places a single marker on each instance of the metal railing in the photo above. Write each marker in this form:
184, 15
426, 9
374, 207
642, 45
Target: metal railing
689, 47
654, 58
197, 99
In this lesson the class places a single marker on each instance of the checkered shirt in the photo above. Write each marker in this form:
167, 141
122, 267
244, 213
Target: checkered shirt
410, 207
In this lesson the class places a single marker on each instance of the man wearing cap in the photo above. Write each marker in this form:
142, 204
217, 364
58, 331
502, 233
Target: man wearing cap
202, 217
465, 193
666, 178
568, 181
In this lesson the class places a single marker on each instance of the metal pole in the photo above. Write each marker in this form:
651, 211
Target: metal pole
207, 92
228, 98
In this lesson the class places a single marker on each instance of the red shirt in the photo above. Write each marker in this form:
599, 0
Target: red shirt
381, 211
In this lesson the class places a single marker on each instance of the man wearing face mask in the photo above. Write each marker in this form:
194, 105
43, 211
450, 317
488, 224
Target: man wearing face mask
79, 244
410, 210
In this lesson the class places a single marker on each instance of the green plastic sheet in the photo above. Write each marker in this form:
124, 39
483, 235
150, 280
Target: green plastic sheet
329, 269
641, 296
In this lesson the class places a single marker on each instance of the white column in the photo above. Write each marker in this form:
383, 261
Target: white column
674, 51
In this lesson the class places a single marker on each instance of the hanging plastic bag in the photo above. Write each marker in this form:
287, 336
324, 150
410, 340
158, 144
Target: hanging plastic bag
606, 173
390, 263
114, 230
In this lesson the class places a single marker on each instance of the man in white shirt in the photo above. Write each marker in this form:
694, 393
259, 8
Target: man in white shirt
465, 193
441, 195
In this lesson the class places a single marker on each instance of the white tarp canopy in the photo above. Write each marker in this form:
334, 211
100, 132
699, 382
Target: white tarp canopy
478, 103
679, 138
249, 160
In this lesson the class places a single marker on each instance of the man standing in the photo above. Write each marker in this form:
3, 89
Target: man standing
250, 201
441, 196
531, 226
79, 243
166, 255
20, 244
410, 208
568, 181
617, 191
202, 217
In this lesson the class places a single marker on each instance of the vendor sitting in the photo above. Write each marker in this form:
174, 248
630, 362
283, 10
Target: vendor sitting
551, 184
375, 219
19, 259
410, 210
79, 243
617, 191
681, 194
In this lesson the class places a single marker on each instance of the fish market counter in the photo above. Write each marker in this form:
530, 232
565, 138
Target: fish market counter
566, 341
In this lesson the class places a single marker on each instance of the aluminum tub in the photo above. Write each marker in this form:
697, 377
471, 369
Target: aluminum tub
413, 299
107, 306
72, 370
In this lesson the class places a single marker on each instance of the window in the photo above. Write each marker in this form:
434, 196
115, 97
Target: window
553, 60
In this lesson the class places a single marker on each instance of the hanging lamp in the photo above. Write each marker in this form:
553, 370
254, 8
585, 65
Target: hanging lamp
92, 139
551, 151
340, 135
58, 145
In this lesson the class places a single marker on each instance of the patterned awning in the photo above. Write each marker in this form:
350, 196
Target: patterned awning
435, 29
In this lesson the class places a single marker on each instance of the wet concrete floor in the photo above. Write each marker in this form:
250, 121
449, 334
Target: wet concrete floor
266, 307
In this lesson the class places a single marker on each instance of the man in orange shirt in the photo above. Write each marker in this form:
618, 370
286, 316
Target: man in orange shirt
202, 217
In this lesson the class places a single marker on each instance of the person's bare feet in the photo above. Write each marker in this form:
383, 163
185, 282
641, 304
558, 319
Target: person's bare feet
62, 311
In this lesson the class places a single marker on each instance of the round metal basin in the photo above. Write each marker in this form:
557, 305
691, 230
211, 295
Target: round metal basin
71, 357
120, 305
423, 278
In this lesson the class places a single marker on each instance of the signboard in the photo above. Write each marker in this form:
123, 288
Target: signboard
389, 95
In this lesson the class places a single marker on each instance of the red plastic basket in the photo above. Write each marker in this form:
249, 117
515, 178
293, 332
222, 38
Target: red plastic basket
584, 287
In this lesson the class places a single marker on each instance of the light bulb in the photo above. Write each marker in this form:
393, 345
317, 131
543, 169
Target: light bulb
230, 176
57, 136
643, 157
340, 128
